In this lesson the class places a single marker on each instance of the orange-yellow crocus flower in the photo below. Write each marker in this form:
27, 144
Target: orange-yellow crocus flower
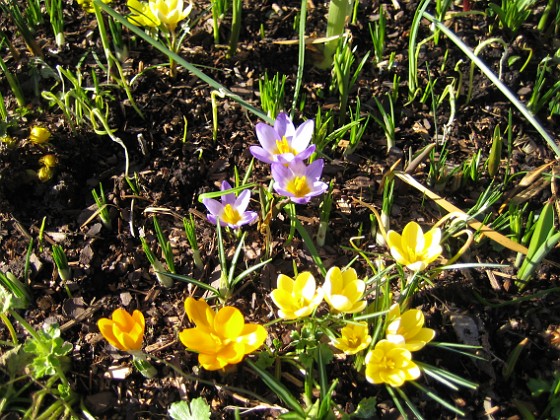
415, 249
353, 338
343, 291
296, 298
220, 338
123, 331
391, 364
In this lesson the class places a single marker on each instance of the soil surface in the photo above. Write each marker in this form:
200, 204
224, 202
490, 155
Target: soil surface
110, 269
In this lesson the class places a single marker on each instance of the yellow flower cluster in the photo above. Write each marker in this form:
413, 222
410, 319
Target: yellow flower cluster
46, 171
299, 297
390, 361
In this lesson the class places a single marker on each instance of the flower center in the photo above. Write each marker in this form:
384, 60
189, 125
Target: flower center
230, 215
282, 146
387, 363
298, 186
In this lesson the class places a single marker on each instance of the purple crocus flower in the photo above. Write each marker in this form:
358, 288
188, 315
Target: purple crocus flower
231, 211
283, 143
297, 181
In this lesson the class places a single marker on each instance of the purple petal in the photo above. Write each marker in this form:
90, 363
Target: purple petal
267, 137
306, 153
298, 168
318, 188
315, 169
211, 218
286, 158
281, 191
280, 173
242, 201
284, 126
303, 135
260, 154
301, 200
248, 217
214, 206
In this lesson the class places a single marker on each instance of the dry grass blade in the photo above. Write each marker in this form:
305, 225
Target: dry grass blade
474, 224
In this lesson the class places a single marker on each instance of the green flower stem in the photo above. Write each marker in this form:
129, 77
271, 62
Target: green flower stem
141, 363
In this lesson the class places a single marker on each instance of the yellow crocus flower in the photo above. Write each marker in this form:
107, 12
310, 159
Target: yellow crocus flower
141, 14
408, 330
390, 363
45, 173
220, 338
169, 12
39, 135
343, 291
296, 298
353, 338
415, 249
123, 331
87, 5
49, 160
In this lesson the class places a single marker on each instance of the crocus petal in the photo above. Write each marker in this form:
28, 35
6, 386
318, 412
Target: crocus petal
214, 206
252, 337
260, 154
267, 137
199, 312
284, 126
198, 340
303, 135
304, 154
229, 322
211, 362
305, 285
105, 326
248, 217
242, 201
315, 169
122, 319
284, 282
413, 238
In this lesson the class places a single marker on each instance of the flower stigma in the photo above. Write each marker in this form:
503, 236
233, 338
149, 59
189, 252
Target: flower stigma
282, 146
231, 216
298, 186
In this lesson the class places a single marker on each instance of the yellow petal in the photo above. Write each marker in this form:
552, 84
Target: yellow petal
229, 322
199, 312
413, 239
105, 326
210, 362
253, 337
305, 286
198, 340
285, 283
